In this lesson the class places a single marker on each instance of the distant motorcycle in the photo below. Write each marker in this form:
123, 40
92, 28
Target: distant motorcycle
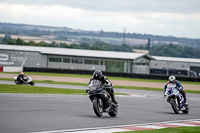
26, 81
175, 98
101, 99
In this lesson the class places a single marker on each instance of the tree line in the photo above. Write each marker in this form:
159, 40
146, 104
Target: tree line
98, 45
174, 51
61, 32
169, 50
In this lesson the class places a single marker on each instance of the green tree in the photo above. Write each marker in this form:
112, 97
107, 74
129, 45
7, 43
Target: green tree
31, 43
19, 42
85, 46
6, 38
75, 46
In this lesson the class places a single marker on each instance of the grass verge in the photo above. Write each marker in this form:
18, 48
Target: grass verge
38, 90
115, 86
4, 88
169, 130
89, 76
152, 89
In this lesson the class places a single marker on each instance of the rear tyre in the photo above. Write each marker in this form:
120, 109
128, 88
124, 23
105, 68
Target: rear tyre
98, 107
113, 111
174, 106
186, 111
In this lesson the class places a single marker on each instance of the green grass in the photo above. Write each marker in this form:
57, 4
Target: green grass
4, 88
6, 79
110, 77
38, 90
115, 86
151, 89
63, 83
169, 130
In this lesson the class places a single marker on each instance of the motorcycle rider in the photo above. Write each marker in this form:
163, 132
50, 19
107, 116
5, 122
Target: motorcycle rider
21, 77
172, 80
99, 76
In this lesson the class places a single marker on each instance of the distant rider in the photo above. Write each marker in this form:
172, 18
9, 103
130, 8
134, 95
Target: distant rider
172, 80
98, 75
21, 77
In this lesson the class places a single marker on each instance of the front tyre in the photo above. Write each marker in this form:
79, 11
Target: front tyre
113, 111
98, 107
17, 82
174, 106
32, 83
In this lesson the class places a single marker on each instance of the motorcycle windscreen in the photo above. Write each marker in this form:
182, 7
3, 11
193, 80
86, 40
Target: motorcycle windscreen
95, 84
171, 87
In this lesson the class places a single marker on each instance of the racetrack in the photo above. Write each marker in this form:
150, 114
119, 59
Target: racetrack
21, 113
115, 82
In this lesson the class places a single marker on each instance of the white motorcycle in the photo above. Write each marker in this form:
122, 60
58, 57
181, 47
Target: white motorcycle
26, 81
175, 98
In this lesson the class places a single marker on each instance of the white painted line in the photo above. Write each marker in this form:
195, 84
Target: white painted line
152, 126
196, 121
130, 95
111, 130
181, 124
119, 126
104, 131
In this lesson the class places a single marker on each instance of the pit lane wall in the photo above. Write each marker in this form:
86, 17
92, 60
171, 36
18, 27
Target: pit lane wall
10, 69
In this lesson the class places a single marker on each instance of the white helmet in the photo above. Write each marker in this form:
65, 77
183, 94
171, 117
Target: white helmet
172, 79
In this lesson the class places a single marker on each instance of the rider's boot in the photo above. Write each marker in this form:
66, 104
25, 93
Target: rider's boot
184, 96
113, 99
185, 101
111, 92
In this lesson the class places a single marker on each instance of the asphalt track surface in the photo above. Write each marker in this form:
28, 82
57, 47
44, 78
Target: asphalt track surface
20, 113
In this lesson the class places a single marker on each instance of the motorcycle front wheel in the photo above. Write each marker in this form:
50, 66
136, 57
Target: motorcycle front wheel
17, 82
174, 105
98, 107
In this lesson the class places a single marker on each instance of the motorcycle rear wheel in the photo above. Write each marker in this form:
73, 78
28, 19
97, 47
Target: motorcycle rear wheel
186, 111
32, 83
174, 106
113, 112
98, 109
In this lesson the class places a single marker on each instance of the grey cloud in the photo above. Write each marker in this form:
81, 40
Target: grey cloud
172, 6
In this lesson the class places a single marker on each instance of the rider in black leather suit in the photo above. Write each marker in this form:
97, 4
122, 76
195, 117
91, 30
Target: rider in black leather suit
99, 76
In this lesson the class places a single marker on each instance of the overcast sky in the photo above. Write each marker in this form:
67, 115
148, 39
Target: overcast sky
179, 18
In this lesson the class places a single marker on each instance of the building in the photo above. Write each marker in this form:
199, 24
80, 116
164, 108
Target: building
75, 59
14, 58
175, 66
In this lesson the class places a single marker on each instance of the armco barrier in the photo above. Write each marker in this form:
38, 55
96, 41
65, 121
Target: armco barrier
126, 75
10, 69
1, 69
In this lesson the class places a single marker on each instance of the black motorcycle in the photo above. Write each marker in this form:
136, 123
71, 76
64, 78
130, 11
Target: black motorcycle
101, 99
